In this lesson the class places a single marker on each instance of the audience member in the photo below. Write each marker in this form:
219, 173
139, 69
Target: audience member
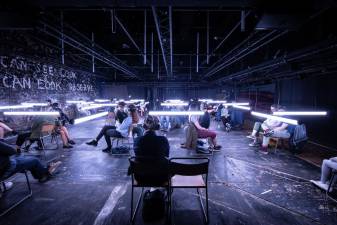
328, 166
120, 113
10, 165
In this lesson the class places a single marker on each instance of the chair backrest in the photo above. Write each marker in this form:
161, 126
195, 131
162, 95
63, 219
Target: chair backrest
188, 166
148, 167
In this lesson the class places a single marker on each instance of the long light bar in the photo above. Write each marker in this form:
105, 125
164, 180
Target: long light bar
174, 104
15, 106
34, 104
241, 107
31, 113
95, 106
173, 100
236, 103
205, 100
175, 113
137, 100
293, 113
102, 100
76, 102
91, 117
285, 120
217, 101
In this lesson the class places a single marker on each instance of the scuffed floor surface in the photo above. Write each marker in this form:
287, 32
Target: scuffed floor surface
245, 187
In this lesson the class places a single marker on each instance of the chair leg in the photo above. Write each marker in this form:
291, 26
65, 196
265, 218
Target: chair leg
204, 211
133, 216
30, 193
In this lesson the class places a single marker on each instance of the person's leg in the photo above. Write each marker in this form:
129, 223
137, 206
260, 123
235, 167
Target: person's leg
208, 134
32, 164
2, 133
103, 130
64, 139
21, 139
5, 127
107, 136
256, 129
327, 167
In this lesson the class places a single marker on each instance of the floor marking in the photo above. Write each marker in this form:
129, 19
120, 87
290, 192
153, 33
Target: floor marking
110, 204
265, 192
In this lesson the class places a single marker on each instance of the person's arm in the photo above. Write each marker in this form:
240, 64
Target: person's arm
6, 149
264, 125
198, 126
282, 127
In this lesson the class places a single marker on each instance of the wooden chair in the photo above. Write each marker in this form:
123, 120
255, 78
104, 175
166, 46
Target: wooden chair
190, 173
28, 195
146, 167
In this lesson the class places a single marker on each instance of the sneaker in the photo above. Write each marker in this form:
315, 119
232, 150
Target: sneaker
254, 144
67, 146
71, 142
5, 186
53, 166
264, 150
106, 150
92, 142
251, 137
321, 185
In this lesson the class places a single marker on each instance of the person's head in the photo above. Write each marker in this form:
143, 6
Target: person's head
151, 123
49, 102
55, 105
193, 107
274, 108
121, 105
111, 110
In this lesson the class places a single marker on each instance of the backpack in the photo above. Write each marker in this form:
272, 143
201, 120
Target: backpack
299, 137
153, 205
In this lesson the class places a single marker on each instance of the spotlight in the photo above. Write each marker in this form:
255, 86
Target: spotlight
285, 120
175, 113
91, 117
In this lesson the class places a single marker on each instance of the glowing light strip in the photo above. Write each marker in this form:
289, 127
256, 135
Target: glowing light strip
236, 103
174, 104
34, 104
173, 100
241, 107
205, 100
32, 113
102, 100
285, 120
95, 106
175, 113
15, 106
76, 102
217, 101
91, 117
285, 113
137, 100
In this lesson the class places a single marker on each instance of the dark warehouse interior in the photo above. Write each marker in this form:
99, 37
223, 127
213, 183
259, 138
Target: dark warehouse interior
168, 112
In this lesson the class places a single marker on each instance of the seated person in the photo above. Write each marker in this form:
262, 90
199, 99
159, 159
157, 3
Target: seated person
40, 121
22, 137
63, 118
120, 113
155, 148
10, 165
266, 125
328, 166
225, 117
111, 125
281, 131
4, 128
136, 128
122, 131
205, 120
202, 132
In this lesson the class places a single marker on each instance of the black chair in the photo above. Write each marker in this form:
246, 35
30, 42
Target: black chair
30, 193
332, 184
144, 172
190, 173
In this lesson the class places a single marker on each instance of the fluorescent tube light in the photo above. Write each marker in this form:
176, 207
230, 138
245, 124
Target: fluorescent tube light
91, 117
285, 120
30, 113
174, 104
241, 107
34, 104
293, 113
102, 100
15, 106
175, 113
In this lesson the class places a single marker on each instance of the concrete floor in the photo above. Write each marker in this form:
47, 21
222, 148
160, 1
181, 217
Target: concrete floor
245, 187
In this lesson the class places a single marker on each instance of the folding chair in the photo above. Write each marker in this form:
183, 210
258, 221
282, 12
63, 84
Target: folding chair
190, 173
30, 193
331, 185
146, 167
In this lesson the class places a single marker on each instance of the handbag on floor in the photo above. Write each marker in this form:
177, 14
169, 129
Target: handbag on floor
153, 205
